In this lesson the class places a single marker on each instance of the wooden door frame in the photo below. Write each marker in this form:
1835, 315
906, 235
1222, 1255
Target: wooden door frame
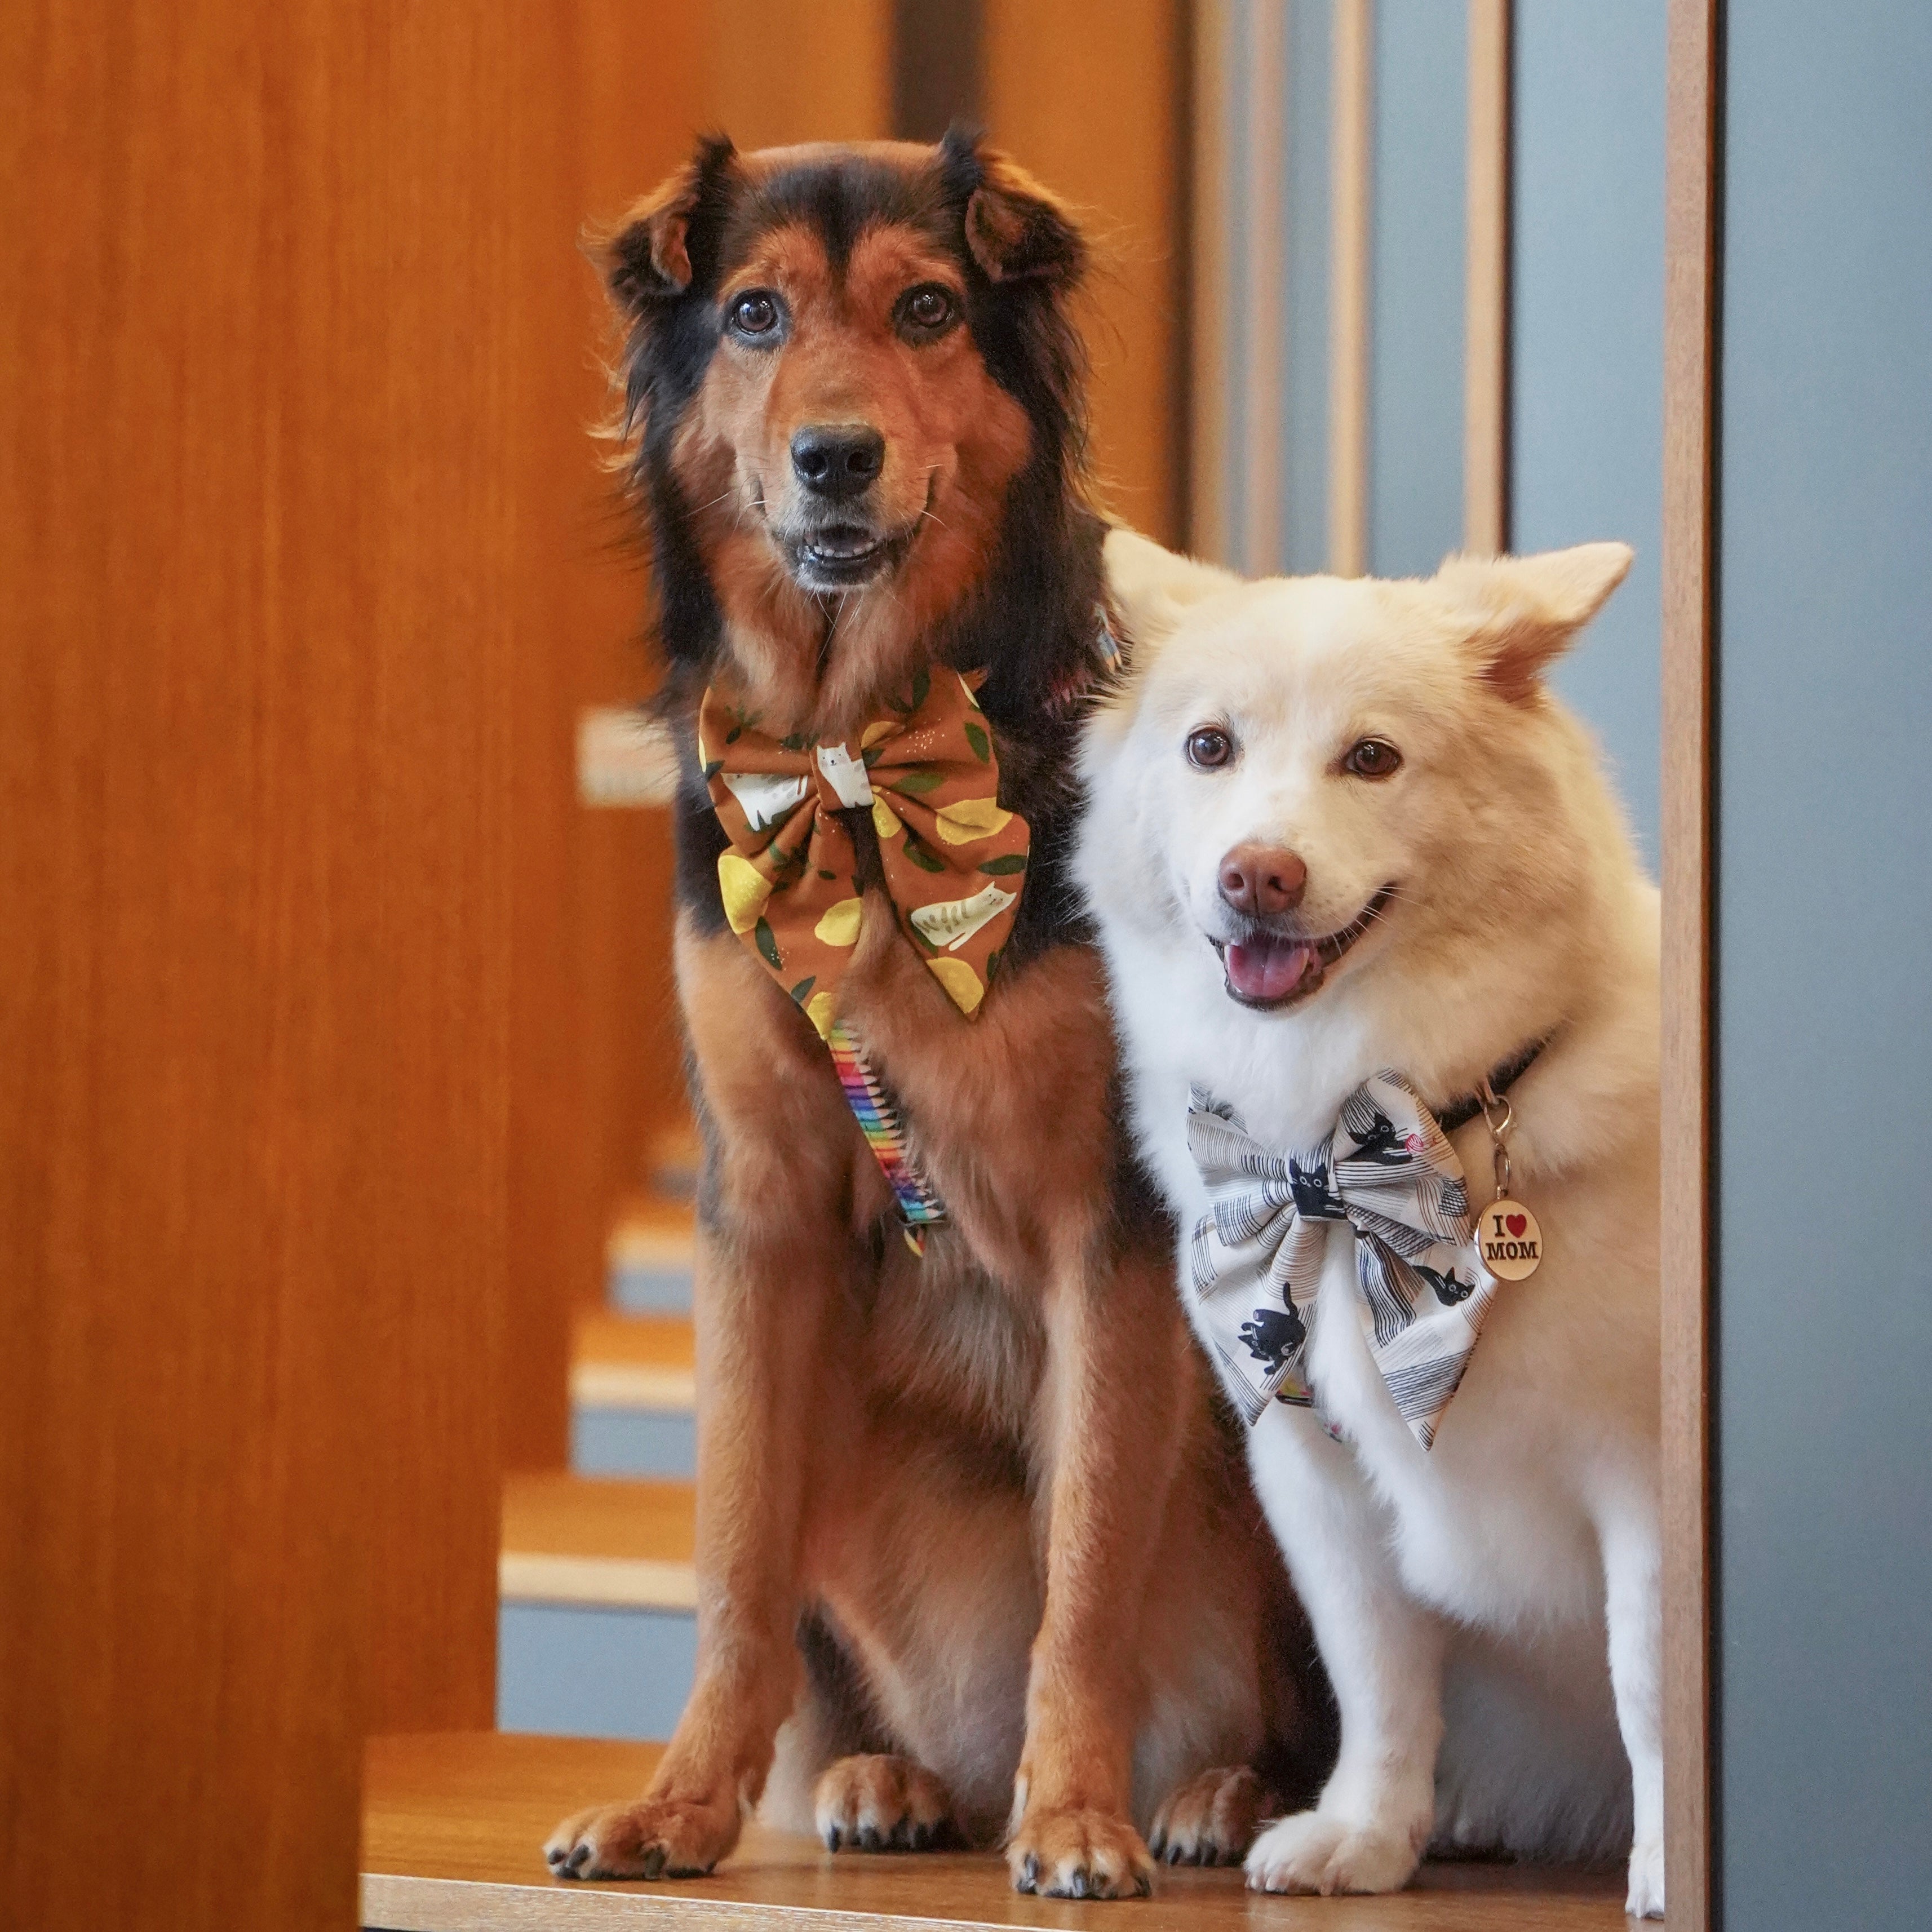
1690, 414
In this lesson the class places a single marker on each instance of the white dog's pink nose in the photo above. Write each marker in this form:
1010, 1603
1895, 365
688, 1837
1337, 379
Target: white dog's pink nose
1262, 880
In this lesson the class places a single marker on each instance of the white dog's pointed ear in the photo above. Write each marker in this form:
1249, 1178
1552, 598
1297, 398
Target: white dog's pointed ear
1153, 586
1522, 612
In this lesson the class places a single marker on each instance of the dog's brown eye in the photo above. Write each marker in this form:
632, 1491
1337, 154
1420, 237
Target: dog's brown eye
1209, 748
756, 314
1373, 758
927, 309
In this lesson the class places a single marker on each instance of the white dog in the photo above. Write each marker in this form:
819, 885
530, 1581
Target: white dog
1337, 827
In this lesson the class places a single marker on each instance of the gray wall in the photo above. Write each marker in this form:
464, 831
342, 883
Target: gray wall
1587, 264
1824, 1420
1416, 286
1587, 324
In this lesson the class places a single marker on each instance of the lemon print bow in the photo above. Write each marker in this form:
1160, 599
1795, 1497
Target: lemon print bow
955, 858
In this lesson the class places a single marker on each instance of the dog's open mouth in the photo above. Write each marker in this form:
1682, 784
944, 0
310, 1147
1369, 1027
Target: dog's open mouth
1273, 969
841, 555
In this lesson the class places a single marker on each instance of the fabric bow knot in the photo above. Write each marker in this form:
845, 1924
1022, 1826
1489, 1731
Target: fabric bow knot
954, 858
1388, 1174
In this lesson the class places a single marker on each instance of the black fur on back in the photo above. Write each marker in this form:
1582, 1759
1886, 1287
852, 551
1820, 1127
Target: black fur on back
1030, 623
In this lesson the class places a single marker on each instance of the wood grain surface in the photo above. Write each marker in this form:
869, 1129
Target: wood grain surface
1088, 96
1487, 283
262, 491
452, 1827
633, 1361
1689, 416
326, 1019
622, 1545
1351, 199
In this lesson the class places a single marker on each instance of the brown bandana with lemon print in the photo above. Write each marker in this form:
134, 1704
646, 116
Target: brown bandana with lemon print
955, 861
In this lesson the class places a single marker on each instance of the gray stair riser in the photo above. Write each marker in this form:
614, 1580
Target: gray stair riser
569, 1670
633, 1442
636, 1290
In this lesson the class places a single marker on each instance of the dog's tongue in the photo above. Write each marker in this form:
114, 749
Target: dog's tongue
1268, 968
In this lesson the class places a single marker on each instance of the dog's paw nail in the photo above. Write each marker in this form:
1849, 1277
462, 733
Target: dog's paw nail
1143, 1886
1077, 1886
579, 1857
654, 1862
869, 1840
831, 1837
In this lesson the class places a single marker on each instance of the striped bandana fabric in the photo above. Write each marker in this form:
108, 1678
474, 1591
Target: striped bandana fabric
1386, 1173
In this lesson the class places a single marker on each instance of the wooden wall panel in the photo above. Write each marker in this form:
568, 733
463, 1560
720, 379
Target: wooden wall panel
1691, 203
301, 553
1089, 94
595, 1045
783, 73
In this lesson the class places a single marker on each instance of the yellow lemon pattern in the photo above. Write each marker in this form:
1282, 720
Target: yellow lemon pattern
959, 979
954, 858
971, 818
840, 926
744, 888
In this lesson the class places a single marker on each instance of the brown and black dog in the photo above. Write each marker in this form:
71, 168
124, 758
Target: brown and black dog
970, 1527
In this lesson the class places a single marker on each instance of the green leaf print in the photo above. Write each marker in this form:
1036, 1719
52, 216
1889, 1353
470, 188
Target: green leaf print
1009, 861
921, 855
802, 991
768, 945
977, 738
922, 686
919, 783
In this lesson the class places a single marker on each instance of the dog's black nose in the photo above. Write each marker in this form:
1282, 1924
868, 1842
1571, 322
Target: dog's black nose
1263, 879
837, 460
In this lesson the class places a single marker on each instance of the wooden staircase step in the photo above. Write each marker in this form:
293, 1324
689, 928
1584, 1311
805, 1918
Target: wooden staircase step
595, 1541
453, 1827
649, 1256
633, 1361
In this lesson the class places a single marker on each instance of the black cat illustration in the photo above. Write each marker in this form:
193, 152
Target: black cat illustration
1448, 1290
1312, 1198
1379, 1144
1273, 1335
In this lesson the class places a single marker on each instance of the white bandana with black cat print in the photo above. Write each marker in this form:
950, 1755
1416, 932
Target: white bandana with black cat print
1388, 1174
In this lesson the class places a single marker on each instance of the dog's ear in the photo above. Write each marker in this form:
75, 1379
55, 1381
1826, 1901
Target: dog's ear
1153, 586
1519, 613
647, 261
1015, 230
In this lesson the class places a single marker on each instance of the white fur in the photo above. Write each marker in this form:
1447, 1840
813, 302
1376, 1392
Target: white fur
1488, 1610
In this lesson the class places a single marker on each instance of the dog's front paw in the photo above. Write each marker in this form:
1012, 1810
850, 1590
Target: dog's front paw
1210, 1820
653, 1837
1075, 1852
878, 1804
1314, 1851
1646, 1879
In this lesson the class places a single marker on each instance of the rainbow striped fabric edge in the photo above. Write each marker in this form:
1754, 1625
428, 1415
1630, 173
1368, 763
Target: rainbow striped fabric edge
919, 1207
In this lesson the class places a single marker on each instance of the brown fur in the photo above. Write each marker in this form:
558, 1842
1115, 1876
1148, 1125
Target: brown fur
994, 1474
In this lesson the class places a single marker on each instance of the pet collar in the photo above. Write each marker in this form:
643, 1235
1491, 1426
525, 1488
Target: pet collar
954, 860
1386, 1171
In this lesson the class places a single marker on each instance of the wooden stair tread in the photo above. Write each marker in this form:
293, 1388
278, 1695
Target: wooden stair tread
633, 1361
652, 1231
598, 1541
453, 1826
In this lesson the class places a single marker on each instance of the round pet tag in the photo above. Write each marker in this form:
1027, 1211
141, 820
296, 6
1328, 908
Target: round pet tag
1512, 1242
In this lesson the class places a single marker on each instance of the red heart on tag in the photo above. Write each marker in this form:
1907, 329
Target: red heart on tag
1516, 1223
